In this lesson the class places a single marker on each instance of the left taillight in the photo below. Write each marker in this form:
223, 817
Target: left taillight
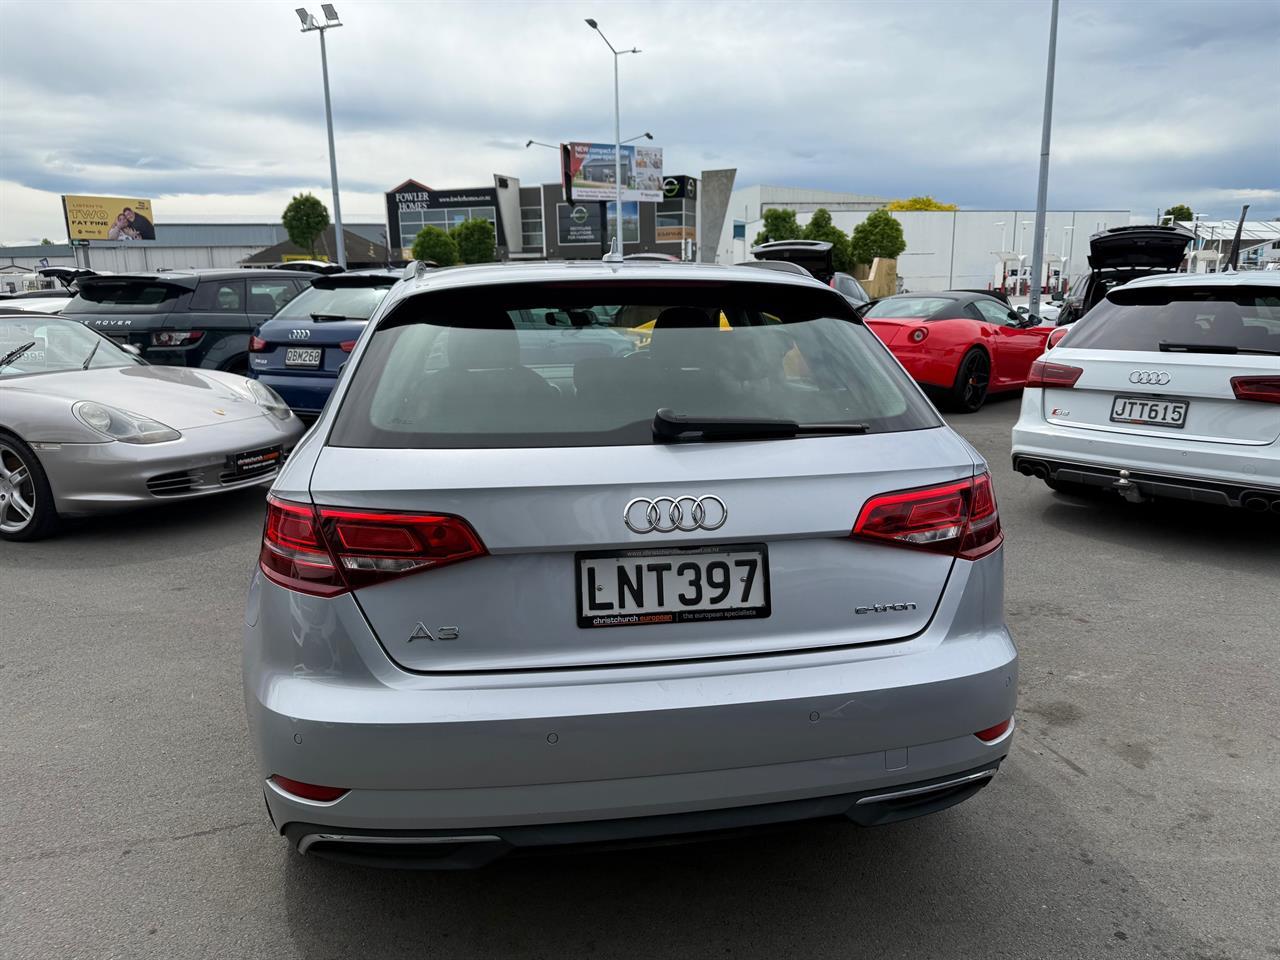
325, 551
960, 519
1046, 373
257, 344
1260, 389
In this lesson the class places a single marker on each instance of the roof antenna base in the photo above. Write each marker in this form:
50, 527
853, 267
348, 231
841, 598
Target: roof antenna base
615, 251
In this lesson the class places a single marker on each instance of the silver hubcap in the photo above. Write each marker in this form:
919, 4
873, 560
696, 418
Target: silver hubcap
17, 491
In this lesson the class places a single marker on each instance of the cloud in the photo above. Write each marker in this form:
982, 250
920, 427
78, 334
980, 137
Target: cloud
201, 111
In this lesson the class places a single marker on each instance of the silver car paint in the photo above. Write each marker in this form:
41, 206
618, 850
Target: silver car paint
89, 473
330, 700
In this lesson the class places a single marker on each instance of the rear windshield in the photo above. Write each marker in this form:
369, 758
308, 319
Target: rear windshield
908, 307
586, 364
123, 296
340, 303
1183, 318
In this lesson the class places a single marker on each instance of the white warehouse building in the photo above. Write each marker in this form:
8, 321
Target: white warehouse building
962, 249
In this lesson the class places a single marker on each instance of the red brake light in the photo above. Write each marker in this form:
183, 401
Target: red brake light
347, 345
992, 734
1261, 389
308, 791
960, 519
257, 344
918, 334
1045, 373
325, 551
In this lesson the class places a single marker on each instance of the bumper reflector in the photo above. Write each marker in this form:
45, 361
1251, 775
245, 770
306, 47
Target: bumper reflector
308, 791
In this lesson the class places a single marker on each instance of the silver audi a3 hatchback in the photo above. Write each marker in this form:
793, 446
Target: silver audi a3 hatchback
593, 553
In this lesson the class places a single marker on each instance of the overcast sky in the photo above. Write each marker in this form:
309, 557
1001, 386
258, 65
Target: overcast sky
215, 109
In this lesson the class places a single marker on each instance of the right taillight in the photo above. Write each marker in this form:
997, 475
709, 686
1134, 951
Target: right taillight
960, 519
1261, 389
325, 551
1045, 373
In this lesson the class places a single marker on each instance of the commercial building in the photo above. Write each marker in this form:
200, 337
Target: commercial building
535, 222
964, 249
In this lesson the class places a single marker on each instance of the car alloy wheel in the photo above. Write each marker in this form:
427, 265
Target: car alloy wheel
970, 390
26, 507
17, 491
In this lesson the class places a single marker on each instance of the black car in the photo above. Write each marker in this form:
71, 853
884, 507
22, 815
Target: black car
1122, 254
815, 257
198, 318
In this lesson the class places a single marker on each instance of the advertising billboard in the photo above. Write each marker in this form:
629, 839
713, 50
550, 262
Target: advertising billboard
590, 172
108, 218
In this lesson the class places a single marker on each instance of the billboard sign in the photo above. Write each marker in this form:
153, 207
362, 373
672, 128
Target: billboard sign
108, 218
679, 188
579, 223
590, 172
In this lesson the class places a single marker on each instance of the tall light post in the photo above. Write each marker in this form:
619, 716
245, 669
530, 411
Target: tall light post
310, 23
615, 250
1042, 191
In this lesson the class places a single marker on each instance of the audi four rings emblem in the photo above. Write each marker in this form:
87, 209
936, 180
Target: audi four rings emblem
1157, 377
667, 514
299, 333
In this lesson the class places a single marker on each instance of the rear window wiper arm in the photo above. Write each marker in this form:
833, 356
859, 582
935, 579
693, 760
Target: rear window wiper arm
670, 427
1167, 347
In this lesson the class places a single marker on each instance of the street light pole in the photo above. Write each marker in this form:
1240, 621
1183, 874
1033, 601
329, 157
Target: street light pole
310, 23
1042, 192
615, 250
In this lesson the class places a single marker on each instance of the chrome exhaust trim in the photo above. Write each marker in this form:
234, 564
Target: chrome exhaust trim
930, 788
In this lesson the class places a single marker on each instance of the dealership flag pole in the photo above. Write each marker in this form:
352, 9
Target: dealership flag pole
1042, 192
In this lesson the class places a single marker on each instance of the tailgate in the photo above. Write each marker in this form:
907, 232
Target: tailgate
788, 508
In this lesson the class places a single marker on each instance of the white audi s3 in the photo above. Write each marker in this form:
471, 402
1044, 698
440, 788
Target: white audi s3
1169, 388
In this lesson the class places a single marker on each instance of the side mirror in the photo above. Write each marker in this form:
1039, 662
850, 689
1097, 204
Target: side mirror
1057, 296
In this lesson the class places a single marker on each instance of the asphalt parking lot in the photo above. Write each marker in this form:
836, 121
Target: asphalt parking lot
1136, 816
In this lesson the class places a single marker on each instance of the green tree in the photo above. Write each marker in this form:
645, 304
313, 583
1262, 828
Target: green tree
46, 242
1180, 211
304, 220
919, 203
880, 235
476, 241
779, 225
820, 227
435, 245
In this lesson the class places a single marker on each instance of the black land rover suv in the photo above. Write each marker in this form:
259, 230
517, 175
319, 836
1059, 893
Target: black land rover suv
194, 318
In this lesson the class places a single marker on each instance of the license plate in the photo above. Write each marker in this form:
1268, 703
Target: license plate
627, 588
303, 356
1162, 413
254, 461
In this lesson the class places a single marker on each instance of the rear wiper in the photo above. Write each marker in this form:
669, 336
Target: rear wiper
669, 426
1167, 347
330, 317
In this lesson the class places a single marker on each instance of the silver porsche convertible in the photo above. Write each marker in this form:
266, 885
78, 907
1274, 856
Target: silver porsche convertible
86, 426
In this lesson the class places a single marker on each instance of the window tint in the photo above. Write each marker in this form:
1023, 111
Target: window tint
268, 296
123, 296
850, 287
219, 296
909, 307
1247, 318
532, 365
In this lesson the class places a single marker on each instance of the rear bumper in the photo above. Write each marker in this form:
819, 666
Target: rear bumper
558, 755
453, 849
304, 393
1226, 474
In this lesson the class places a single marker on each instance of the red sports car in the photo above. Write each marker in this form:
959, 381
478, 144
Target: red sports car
958, 344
